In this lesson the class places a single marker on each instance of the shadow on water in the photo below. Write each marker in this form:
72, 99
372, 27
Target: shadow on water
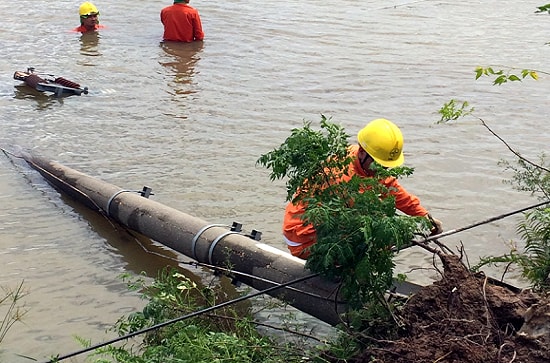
139, 253
143, 255
89, 44
180, 60
43, 100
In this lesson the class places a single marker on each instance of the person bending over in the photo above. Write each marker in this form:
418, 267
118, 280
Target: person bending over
381, 142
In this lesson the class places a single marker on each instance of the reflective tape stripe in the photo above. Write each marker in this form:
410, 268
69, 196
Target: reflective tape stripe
290, 243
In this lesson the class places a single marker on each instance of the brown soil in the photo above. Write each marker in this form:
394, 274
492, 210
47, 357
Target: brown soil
465, 318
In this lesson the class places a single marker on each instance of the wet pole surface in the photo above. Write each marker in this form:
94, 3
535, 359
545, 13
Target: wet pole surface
199, 240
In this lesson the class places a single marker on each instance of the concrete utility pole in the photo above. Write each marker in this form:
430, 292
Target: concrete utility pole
197, 239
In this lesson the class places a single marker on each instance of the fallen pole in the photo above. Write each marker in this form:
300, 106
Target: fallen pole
197, 239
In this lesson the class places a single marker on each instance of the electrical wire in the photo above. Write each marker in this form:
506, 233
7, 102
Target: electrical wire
181, 318
488, 220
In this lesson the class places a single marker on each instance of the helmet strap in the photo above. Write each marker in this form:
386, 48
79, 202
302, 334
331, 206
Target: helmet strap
362, 161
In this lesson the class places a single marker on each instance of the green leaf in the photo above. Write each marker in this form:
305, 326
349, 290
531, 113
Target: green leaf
500, 80
479, 72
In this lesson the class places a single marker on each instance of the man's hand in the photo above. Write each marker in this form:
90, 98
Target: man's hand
437, 226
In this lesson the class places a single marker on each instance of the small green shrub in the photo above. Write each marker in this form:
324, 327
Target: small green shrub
228, 335
452, 111
530, 177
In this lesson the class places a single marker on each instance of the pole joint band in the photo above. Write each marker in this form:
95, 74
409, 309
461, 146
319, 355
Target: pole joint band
108, 208
198, 234
145, 192
215, 242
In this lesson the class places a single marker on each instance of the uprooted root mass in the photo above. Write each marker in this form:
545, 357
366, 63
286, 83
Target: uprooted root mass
465, 318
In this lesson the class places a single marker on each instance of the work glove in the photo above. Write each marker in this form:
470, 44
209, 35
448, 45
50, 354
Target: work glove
437, 226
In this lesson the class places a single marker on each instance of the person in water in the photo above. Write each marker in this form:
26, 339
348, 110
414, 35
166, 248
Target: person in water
181, 22
89, 18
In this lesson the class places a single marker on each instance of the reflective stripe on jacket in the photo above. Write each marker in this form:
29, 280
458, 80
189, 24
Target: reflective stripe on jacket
299, 236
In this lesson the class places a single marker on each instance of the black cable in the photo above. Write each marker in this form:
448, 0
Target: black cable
229, 272
492, 219
172, 321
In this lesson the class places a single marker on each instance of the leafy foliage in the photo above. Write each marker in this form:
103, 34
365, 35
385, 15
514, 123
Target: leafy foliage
543, 9
502, 77
452, 111
535, 227
358, 228
227, 336
535, 231
306, 153
528, 176
534, 261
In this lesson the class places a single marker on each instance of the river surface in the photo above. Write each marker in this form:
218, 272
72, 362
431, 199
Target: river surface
190, 121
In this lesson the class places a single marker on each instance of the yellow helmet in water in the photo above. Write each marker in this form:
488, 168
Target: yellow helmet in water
382, 140
87, 8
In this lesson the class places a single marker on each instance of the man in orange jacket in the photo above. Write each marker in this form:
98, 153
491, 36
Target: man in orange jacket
89, 18
380, 142
182, 23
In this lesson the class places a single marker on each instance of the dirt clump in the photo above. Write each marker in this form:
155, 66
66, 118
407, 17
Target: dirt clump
468, 318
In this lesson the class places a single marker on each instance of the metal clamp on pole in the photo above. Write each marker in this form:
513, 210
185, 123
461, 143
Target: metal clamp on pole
198, 234
108, 208
236, 227
255, 235
215, 242
145, 192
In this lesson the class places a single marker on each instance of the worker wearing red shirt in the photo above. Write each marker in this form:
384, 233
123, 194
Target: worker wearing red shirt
182, 23
89, 18
381, 142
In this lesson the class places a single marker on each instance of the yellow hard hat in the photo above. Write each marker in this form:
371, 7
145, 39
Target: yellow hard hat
87, 8
382, 140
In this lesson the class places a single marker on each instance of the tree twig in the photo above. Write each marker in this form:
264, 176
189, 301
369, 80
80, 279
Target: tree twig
510, 148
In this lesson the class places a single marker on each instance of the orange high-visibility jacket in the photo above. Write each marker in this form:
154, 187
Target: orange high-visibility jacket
82, 29
182, 23
299, 236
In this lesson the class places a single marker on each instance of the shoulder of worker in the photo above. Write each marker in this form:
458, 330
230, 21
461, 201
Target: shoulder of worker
353, 149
